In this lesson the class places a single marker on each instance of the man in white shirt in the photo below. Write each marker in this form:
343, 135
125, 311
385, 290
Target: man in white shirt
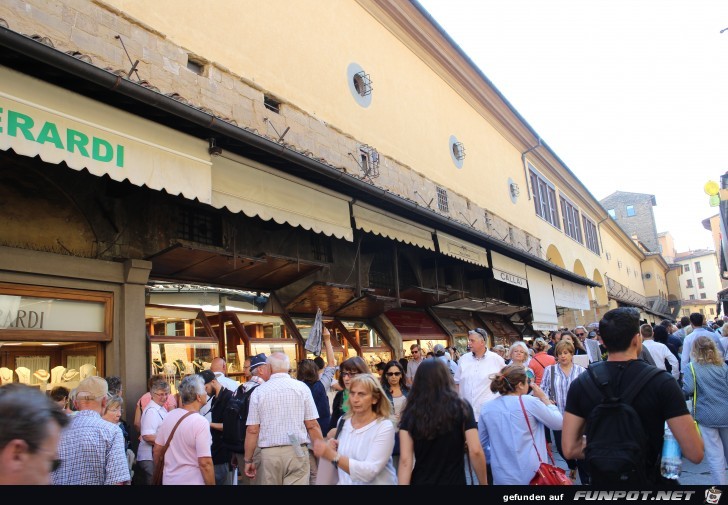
151, 419
659, 352
472, 377
218, 368
282, 419
417, 358
696, 320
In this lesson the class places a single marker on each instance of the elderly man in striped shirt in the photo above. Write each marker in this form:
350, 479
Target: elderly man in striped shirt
282, 419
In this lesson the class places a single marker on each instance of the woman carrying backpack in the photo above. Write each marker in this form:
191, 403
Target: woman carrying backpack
556, 382
707, 379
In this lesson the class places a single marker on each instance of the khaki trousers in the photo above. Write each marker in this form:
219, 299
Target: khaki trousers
280, 466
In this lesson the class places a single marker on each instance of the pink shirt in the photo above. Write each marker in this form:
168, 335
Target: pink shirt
192, 440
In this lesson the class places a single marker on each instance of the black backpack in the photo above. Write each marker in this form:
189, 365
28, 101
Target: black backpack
616, 441
234, 418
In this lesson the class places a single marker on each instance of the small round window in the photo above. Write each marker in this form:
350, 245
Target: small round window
457, 151
360, 84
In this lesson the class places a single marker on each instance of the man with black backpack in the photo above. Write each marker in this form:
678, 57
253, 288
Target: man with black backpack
621, 405
236, 415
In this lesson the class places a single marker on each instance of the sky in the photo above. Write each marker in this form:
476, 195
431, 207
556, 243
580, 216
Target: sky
632, 95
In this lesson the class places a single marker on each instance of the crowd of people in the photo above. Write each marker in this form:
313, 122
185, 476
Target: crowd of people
491, 415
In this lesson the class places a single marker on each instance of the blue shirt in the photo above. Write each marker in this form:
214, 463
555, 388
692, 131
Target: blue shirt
92, 452
503, 430
712, 401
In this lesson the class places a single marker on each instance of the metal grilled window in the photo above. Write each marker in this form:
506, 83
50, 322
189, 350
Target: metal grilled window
442, 199
199, 226
321, 248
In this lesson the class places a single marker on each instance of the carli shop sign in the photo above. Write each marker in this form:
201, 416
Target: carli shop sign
59, 126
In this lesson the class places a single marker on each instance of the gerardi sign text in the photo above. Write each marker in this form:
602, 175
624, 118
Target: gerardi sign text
17, 124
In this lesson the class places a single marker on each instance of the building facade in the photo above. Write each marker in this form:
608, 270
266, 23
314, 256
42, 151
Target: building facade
181, 197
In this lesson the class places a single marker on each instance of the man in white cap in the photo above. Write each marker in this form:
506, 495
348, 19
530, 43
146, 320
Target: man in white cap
91, 450
443, 356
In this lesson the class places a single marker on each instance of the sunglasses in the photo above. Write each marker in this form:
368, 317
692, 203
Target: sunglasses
393, 374
579, 334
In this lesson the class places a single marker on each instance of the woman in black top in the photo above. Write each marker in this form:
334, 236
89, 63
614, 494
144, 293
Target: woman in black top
434, 427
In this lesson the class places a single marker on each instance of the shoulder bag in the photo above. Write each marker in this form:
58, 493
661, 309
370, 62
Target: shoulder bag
547, 474
159, 467
695, 399
328, 475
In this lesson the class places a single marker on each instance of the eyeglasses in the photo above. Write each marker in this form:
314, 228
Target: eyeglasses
350, 374
113, 410
393, 374
415, 352
161, 395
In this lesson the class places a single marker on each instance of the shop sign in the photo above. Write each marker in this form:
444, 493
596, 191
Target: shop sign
509, 278
17, 124
50, 314
60, 126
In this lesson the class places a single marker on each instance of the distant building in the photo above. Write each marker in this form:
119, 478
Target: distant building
700, 280
633, 212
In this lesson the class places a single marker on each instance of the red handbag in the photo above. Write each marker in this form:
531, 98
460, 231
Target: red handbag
547, 474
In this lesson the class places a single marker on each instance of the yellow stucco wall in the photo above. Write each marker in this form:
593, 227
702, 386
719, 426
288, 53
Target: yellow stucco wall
656, 285
620, 254
299, 52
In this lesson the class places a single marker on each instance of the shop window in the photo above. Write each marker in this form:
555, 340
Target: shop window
182, 342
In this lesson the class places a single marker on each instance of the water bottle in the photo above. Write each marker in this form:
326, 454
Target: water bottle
671, 462
296, 443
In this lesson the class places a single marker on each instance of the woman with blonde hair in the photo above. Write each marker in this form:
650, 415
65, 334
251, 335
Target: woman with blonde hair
556, 382
362, 453
707, 379
513, 426
518, 354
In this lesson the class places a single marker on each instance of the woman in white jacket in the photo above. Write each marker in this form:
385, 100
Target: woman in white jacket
363, 451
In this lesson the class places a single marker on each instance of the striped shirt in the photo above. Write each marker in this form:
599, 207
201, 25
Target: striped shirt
92, 452
562, 382
280, 406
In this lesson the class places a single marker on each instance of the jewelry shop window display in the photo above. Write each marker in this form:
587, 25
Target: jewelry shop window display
264, 333
374, 349
48, 333
182, 342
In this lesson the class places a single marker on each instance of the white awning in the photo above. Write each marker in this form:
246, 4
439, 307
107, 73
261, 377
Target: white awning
508, 270
243, 185
461, 249
570, 294
39, 119
542, 300
388, 225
